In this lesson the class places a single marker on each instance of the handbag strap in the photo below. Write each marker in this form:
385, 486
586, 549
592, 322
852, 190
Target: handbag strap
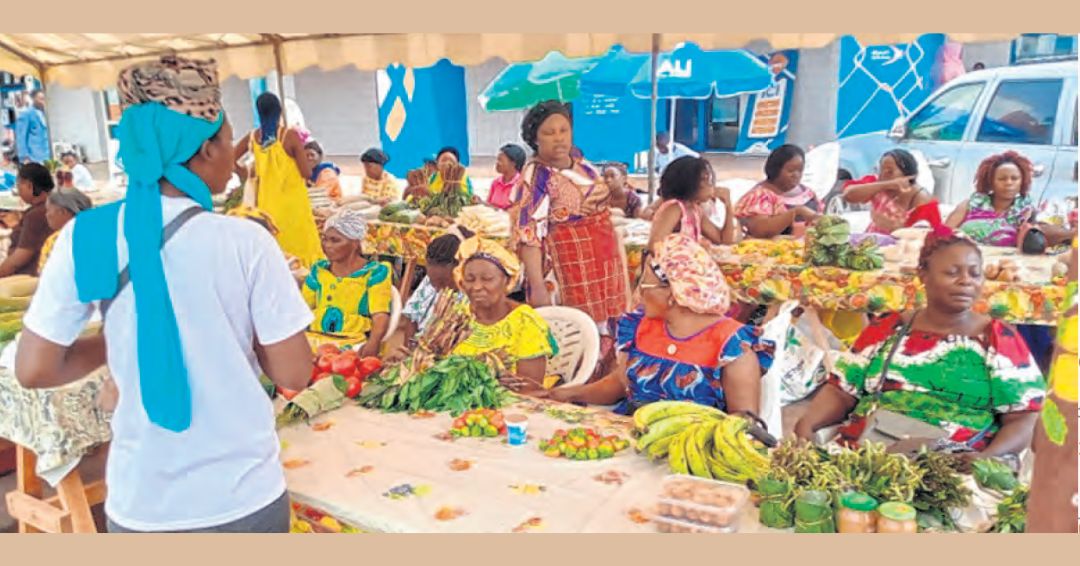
124, 279
896, 345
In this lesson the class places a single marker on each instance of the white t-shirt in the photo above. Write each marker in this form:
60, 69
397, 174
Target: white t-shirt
675, 151
230, 285
81, 178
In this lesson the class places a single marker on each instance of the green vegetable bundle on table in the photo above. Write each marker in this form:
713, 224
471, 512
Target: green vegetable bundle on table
452, 198
455, 384
828, 244
398, 212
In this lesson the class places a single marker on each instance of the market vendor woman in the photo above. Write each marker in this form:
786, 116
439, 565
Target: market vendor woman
780, 204
350, 295
27, 239
487, 273
682, 346
945, 365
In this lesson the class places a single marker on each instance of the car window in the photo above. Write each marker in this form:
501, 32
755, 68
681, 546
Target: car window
946, 117
1022, 112
1076, 115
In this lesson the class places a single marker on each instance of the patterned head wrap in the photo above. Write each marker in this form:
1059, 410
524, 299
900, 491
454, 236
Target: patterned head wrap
172, 107
695, 280
487, 250
187, 86
351, 223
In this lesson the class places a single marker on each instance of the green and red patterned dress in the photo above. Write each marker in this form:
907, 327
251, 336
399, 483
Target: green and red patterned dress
958, 383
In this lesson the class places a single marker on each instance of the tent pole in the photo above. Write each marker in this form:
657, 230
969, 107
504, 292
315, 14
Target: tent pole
652, 116
280, 68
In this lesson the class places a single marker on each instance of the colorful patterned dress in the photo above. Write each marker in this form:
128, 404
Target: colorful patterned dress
344, 306
662, 367
763, 201
958, 383
565, 213
384, 188
521, 335
988, 227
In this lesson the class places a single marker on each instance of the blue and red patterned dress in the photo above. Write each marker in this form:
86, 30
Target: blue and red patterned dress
663, 367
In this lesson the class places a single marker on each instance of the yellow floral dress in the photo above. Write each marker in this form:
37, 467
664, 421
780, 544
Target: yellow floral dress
46, 249
384, 188
344, 306
521, 335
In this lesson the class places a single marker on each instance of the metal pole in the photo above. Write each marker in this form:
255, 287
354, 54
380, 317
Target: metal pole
280, 68
652, 116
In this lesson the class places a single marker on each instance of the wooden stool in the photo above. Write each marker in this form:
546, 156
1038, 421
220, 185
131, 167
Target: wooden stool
66, 512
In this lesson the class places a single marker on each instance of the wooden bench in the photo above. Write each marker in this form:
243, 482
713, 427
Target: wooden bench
66, 512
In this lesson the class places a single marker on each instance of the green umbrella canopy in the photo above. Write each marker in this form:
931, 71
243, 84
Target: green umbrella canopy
522, 85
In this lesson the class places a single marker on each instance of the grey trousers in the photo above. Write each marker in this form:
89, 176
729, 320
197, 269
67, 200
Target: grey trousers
273, 518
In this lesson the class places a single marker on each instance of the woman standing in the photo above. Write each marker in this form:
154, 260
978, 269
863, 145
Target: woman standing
281, 166
508, 165
561, 223
1001, 204
781, 203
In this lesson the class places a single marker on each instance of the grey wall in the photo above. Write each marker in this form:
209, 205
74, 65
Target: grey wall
813, 109
78, 116
994, 54
339, 108
488, 131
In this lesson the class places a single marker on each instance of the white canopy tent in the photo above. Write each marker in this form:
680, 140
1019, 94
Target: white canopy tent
94, 60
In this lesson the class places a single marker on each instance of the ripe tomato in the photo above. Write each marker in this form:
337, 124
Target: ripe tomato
344, 365
327, 350
355, 385
368, 366
325, 362
288, 394
322, 376
352, 354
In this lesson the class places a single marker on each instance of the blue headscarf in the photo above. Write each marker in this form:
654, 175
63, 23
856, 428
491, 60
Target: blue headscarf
155, 142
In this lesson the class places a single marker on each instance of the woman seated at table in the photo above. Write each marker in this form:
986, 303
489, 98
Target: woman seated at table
780, 205
379, 184
60, 208
686, 186
682, 346
508, 165
28, 237
945, 365
487, 273
441, 261
349, 295
896, 200
325, 175
1001, 205
624, 196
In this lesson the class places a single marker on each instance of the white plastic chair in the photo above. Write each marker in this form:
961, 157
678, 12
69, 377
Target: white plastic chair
395, 312
578, 340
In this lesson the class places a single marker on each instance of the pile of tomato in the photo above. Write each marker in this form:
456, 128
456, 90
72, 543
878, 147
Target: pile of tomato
345, 363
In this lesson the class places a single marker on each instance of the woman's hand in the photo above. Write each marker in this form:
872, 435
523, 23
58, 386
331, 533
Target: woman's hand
722, 194
397, 355
519, 384
565, 394
806, 214
369, 350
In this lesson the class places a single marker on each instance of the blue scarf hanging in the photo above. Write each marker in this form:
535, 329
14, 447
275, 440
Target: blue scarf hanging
155, 142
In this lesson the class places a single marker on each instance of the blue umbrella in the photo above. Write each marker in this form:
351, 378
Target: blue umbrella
686, 72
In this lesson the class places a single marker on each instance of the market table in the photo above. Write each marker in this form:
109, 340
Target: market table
754, 281
382, 472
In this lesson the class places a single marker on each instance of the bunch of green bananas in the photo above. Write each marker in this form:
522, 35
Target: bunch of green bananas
700, 441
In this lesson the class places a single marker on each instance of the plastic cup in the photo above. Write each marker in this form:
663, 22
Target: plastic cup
517, 427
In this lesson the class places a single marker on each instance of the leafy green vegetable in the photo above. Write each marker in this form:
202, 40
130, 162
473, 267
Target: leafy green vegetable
993, 474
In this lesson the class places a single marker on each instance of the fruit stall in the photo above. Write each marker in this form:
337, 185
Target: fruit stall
674, 467
832, 269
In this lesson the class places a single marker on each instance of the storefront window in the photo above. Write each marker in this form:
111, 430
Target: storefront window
723, 123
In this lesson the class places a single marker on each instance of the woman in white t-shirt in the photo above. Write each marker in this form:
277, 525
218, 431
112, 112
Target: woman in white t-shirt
80, 174
194, 444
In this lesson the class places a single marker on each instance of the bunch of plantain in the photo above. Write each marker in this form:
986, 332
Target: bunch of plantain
700, 441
